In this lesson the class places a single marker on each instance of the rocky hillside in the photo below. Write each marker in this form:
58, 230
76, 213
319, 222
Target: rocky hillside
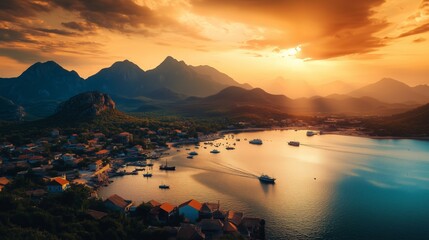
86, 105
9, 111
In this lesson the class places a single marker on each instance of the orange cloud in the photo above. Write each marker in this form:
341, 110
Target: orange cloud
324, 29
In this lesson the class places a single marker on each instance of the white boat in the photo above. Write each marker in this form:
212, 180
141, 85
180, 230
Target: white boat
214, 151
256, 141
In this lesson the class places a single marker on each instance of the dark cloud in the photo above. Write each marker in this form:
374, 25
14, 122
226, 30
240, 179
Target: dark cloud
324, 28
55, 31
13, 10
111, 14
79, 26
11, 35
22, 55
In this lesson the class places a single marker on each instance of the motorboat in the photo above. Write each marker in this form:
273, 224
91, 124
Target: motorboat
266, 179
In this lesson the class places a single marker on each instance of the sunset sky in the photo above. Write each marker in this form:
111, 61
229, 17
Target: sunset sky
250, 40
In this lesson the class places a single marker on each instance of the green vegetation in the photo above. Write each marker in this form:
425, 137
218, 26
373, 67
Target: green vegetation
63, 216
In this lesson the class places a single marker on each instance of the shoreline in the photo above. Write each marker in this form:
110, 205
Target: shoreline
350, 133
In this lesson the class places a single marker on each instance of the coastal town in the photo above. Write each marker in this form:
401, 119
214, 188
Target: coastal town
58, 163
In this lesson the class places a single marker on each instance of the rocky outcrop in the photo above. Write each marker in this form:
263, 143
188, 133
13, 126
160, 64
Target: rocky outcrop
86, 105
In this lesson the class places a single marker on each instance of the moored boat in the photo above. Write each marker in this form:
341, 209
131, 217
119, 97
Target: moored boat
294, 143
310, 133
164, 186
256, 141
214, 151
165, 167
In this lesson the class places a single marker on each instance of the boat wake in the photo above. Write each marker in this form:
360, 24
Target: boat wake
235, 169
223, 171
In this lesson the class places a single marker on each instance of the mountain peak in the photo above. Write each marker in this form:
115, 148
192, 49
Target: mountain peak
390, 81
169, 62
125, 65
45, 69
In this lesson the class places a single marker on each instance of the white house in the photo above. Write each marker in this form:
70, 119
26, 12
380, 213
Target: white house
190, 210
58, 184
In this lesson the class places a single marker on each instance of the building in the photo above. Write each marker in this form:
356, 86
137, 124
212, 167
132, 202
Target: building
124, 138
190, 232
207, 209
117, 203
55, 133
58, 184
95, 165
212, 228
166, 211
102, 153
3, 182
190, 210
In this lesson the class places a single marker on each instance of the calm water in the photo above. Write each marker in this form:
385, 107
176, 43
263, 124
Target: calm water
331, 187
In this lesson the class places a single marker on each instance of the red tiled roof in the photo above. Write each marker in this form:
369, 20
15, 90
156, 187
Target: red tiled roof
96, 214
229, 227
118, 201
59, 180
104, 151
193, 203
167, 207
154, 203
4, 181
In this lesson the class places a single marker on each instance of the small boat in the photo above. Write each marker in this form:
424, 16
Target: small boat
230, 148
256, 141
166, 167
266, 179
149, 164
147, 174
215, 151
310, 133
238, 139
190, 157
293, 143
193, 153
139, 169
164, 186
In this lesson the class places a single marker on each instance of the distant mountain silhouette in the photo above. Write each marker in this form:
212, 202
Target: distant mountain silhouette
235, 101
122, 78
392, 91
46, 80
218, 76
184, 79
43, 85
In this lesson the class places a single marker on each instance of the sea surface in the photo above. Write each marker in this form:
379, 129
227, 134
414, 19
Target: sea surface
331, 187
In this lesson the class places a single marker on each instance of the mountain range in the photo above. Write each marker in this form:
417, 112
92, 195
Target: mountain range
177, 88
